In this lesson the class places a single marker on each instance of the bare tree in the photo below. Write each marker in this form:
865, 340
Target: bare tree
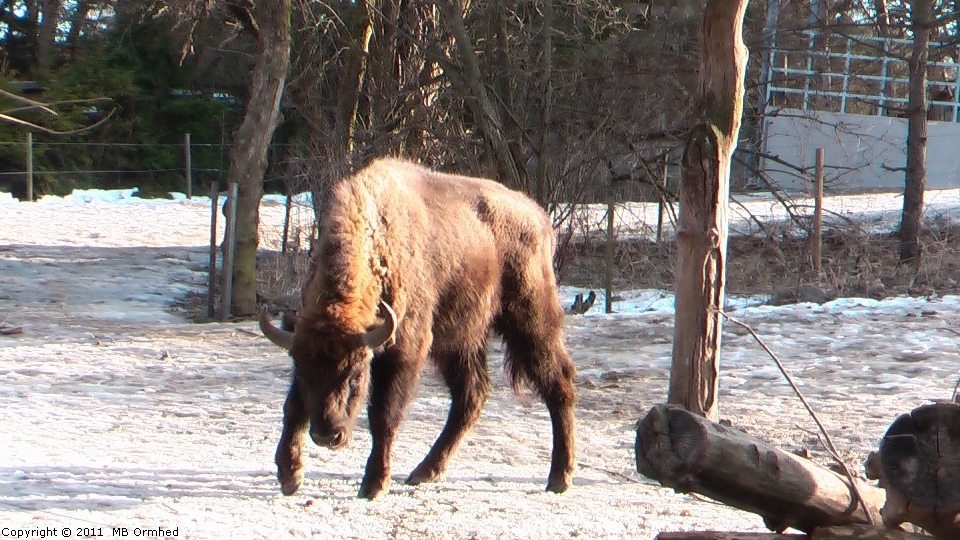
485, 111
704, 194
47, 33
916, 175
270, 23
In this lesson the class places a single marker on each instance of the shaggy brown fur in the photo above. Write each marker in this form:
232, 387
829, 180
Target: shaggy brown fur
455, 257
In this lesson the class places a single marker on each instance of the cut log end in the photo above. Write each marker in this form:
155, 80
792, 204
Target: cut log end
920, 469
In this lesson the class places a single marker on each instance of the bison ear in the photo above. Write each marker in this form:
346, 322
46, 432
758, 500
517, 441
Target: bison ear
386, 332
279, 337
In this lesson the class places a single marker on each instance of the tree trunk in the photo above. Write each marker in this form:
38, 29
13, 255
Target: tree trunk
916, 176
702, 224
542, 188
486, 113
883, 17
76, 27
46, 36
351, 85
689, 453
920, 469
248, 153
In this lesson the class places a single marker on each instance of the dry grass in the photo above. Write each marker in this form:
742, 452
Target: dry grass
854, 264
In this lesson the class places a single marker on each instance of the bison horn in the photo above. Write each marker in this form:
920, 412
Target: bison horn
379, 335
279, 337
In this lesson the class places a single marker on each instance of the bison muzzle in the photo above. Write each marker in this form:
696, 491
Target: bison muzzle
415, 264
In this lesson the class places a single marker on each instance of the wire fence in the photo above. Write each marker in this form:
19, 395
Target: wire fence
632, 249
33, 167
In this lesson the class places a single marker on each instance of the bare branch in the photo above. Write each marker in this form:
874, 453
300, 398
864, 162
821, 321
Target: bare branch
33, 104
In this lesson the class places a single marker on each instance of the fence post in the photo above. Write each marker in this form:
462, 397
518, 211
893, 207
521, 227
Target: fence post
30, 166
212, 268
661, 198
608, 258
818, 215
286, 221
188, 159
226, 300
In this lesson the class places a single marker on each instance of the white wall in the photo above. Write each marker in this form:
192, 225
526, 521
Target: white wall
859, 151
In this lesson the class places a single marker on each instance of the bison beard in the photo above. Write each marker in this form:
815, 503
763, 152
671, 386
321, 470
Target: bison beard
425, 264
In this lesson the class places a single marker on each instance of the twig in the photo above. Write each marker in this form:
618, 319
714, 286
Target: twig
952, 331
827, 441
24, 123
33, 104
611, 473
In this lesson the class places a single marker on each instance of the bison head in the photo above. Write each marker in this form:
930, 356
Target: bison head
332, 372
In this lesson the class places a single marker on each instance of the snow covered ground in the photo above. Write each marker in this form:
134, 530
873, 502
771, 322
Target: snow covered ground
116, 413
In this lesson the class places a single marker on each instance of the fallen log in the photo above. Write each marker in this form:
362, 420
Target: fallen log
848, 532
863, 532
689, 453
920, 469
717, 535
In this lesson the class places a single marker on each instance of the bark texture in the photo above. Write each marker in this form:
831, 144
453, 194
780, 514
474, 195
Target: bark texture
248, 154
916, 178
920, 469
702, 226
689, 453
487, 114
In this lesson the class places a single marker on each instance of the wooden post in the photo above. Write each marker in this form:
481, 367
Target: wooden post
30, 166
286, 223
663, 184
188, 160
608, 257
212, 268
818, 216
229, 241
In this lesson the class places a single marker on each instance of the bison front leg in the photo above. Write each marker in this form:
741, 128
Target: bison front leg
469, 383
289, 456
393, 383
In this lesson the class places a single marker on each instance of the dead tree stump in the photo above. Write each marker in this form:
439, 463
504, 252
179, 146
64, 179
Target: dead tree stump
920, 469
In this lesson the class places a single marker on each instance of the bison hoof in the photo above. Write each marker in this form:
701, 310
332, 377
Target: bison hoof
369, 489
290, 483
559, 485
418, 477
289, 488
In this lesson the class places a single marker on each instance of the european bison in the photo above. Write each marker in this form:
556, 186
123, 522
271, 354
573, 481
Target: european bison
416, 264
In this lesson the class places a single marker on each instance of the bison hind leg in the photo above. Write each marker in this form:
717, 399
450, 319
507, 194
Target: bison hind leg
469, 383
536, 355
